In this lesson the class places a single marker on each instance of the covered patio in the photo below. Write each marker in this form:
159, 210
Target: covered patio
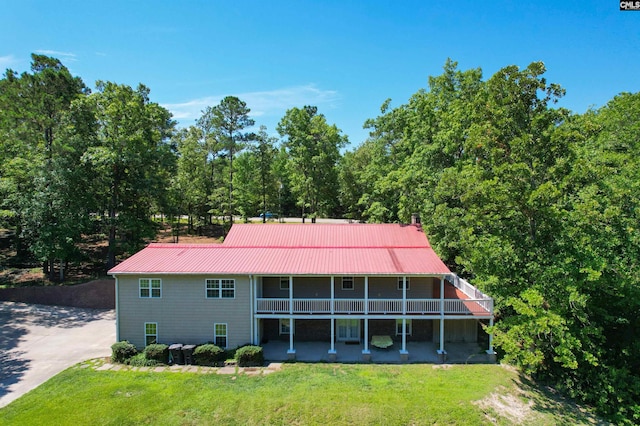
419, 352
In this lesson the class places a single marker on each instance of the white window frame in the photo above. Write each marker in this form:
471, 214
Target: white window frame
146, 334
282, 280
348, 279
400, 283
216, 287
284, 326
225, 335
151, 286
399, 327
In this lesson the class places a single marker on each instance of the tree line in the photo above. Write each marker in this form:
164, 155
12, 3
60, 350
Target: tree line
536, 204
76, 161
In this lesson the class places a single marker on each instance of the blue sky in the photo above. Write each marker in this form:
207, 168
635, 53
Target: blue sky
346, 57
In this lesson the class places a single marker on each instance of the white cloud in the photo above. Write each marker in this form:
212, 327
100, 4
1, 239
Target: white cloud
7, 62
69, 57
265, 103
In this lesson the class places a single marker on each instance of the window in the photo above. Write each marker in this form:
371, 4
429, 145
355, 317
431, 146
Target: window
399, 327
400, 283
220, 335
150, 333
347, 283
285, 326
150, 287
220, 288
284, 283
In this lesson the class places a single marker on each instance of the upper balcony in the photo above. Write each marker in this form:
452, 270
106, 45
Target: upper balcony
460, 298
478, 307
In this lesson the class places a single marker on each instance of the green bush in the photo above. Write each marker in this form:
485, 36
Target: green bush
208, 354
122, 351
250, 356
140, 360
157, 352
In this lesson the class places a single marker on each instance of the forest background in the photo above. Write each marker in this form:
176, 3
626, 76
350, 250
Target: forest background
536, 205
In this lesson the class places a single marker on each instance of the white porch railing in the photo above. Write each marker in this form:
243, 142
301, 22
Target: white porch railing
348, 306
465, 287
274, 306
385, 306
375, 306
423, 306
311, 306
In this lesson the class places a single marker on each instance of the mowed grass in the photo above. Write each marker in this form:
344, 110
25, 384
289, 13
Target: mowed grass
299, 394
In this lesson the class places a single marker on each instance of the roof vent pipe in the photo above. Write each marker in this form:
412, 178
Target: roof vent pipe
415, 219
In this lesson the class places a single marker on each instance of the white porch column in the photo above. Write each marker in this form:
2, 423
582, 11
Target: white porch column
366, 352
332, 294
290, 295
291, 332
441, 352
404, 336
404, 354
404, 295
291, 352
366, 295
332, 349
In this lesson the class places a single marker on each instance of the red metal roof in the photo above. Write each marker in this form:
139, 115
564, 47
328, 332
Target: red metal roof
296, 250
326, 235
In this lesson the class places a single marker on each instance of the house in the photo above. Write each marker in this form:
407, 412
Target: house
362, 284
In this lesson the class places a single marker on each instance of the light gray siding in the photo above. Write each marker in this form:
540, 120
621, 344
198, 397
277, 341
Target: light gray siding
183, 313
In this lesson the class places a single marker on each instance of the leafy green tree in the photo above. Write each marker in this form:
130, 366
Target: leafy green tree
255, 185
247, 186
537, 206
35, 174
212, 159
192, 179
265, 152
359, 171
500, 211
285, 199
227, 120
128, 158
314, 150
411, 145
600, 258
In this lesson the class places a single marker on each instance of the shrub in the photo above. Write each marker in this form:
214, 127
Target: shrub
208, 354
122, 351
250, 356
157, 352
230, 353
140, 360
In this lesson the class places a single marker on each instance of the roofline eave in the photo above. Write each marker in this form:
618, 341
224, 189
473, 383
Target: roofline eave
274, 274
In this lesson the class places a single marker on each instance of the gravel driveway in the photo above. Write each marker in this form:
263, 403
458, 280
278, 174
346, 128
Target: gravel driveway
37, 342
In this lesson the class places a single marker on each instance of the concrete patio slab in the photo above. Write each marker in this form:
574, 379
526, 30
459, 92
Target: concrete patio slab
418, 352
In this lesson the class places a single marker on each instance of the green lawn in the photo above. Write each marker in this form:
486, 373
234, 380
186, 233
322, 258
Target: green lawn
323, 394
